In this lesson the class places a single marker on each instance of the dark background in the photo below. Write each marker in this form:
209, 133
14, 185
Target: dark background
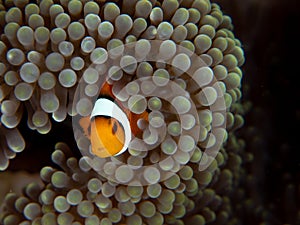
268, 30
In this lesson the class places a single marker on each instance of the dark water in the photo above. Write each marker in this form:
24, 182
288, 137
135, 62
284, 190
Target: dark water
269, 33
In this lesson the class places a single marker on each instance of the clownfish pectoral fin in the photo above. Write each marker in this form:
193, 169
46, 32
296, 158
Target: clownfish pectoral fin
85, 124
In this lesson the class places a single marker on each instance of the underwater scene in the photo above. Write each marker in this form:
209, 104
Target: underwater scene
159, 112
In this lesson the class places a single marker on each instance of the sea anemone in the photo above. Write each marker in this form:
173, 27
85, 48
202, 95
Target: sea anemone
179, 60
76, 194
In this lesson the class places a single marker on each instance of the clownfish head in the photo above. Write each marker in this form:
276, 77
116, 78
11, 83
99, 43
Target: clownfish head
110, 130
109, 126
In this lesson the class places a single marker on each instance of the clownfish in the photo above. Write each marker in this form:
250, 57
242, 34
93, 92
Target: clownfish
110, 126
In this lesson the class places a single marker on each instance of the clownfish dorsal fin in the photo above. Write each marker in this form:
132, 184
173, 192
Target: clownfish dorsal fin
106, 90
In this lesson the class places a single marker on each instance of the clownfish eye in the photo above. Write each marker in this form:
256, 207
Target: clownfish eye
115, 128
117, 121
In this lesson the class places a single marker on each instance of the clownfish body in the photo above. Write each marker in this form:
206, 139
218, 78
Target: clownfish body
110, 126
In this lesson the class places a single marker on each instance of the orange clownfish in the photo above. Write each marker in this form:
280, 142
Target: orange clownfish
110, 126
